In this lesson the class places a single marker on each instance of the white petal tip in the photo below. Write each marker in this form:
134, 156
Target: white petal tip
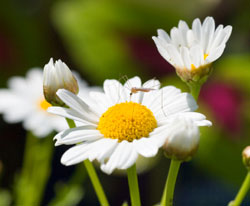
106, 170
57, 143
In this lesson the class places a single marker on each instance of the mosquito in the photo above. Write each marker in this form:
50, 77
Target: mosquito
144, 89
134, 90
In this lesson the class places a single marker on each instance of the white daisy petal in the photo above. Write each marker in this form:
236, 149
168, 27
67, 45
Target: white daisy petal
197, 56
71, 114
72, 100
217, 35
130, 160
78, 134
101, 100
152, 84
163, 35
175, 36
102, 149
186, 57
161, 48
191, 40
228, 31
168, 105
77, 104
196, 27
133, 82
111, 89
75, 154
99, 149
146, 147
208, 32
217, 52
175, 55
183, 25
183, 30
122, 155
198, 118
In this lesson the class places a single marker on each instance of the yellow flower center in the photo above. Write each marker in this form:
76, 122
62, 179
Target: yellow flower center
205, 56
44, 105
127, 121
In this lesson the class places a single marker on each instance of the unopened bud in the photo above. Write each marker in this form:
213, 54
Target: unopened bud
183, 141
57, 76
246, 157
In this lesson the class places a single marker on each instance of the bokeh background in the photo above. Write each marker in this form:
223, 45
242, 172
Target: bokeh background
110, 39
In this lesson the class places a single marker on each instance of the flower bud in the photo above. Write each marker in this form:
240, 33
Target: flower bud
246, 157
183, 141
57, 76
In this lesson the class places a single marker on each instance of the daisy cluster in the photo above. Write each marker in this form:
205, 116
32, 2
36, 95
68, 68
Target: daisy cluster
118, 124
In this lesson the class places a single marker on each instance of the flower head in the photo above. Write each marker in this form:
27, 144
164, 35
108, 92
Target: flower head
57, 76
192, 51
184, 139
24, 102
117, 127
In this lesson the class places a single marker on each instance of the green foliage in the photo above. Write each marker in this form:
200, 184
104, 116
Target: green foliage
72, 192
235, 69
5, 197
95, 33
220, 152
65, 195
30, 183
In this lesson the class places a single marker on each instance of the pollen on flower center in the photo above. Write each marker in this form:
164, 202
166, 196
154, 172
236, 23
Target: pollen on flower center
44, 105
127, 121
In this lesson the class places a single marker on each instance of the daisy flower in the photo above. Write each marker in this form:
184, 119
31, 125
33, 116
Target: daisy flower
191, 51
118, 127
24, 102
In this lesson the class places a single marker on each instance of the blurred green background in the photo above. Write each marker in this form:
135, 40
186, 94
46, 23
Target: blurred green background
110, 39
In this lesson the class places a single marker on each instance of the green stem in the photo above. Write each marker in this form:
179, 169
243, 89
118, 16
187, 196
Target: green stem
168, 193
242, 192
195, 89
96, 183
133, 186
35, 172
93, 176
71, 123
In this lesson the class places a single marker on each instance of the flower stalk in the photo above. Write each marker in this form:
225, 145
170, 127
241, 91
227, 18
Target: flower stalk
194, 89
133, 186
96, 183
242, 192
168, 193
93, 175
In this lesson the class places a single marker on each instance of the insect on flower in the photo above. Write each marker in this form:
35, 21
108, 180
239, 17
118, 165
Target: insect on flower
134, 90
147, 87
